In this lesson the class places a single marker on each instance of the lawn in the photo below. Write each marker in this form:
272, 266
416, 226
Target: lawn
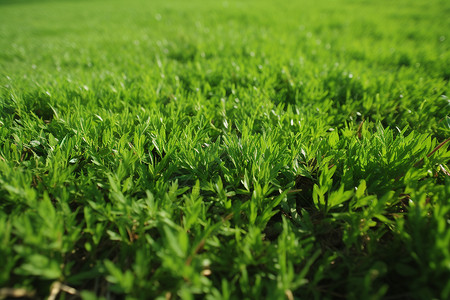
173, 149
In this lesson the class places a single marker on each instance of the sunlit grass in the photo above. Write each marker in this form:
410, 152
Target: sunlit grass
224, 149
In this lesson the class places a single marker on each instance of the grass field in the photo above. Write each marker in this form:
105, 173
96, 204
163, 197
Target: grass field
225, 149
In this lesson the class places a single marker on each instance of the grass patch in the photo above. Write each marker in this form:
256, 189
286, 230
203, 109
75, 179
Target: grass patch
224, 150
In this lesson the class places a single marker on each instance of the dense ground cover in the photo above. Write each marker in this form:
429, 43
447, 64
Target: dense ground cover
225, 149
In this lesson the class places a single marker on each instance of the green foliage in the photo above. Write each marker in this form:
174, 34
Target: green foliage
225, 149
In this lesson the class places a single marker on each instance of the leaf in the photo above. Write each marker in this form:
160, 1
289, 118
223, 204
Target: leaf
360, 189
35, 143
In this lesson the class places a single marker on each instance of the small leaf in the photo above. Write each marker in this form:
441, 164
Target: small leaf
35, 143
360, 189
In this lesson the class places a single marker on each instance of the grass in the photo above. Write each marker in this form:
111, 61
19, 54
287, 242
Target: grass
224, 149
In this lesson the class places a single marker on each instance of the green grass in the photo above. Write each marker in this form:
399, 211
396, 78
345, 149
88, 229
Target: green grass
225, 149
